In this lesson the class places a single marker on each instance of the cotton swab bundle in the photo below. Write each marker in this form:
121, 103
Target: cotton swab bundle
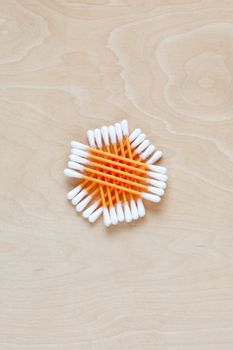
117, 172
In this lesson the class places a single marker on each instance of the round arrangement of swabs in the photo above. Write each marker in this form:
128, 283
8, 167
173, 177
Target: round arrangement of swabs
117, 172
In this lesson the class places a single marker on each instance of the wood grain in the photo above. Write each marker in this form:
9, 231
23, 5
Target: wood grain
164, 282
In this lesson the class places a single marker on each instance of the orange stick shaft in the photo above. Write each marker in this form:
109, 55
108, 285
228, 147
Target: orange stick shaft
113, 198
123, 194
114, 178
135, 156
115, 190
112, 162
116, 156
110, 184
123, 154
130, 155
108, 190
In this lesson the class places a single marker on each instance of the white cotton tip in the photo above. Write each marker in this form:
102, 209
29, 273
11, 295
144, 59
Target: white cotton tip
94, 216
151, 197
158, 169
141, 208
120, 213
142, 146
82, 205
75, 166
156, 190
157, 176
107, 219
112, 134
134, 210
79, 197
98, 138
127, 213
134, 135
74, 192
124, 127
72, 173
105, 135
138, 140
79, 152
91, 138
150, 149
156, 183
78, 145
90, 210
118, 131
113, 215
156, 156
78, 159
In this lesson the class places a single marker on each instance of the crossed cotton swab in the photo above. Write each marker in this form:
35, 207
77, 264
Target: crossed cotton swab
136, 134
81, 146
129, 213
94, 139
84, 201
109, 211
153, 173
76, 165
145, 155
141, 211
78, 175
103, 166
109, 133
120, 130
113, 137
119, 209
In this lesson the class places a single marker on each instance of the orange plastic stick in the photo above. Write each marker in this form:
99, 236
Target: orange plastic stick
123, 194
110, 184
114, 178
123, 154
115, 156
115, 190
130, 153
114, 163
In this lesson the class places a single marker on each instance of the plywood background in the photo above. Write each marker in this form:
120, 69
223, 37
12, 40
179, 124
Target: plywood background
165, 282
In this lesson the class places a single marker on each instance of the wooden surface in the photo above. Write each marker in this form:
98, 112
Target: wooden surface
164, 282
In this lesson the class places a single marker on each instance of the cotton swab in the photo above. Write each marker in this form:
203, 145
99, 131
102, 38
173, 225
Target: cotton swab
149, 196
119, 210
96, 214
88, 212
116, 212
90, 209
112, 212
153, 189
136, 135
91, 139
78, 188
141, 208
117, 172
112, 135
107, 219
81, 146
152, 169
125, 130
133, 207
74, 192
108, 212
85, 161
122, 131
